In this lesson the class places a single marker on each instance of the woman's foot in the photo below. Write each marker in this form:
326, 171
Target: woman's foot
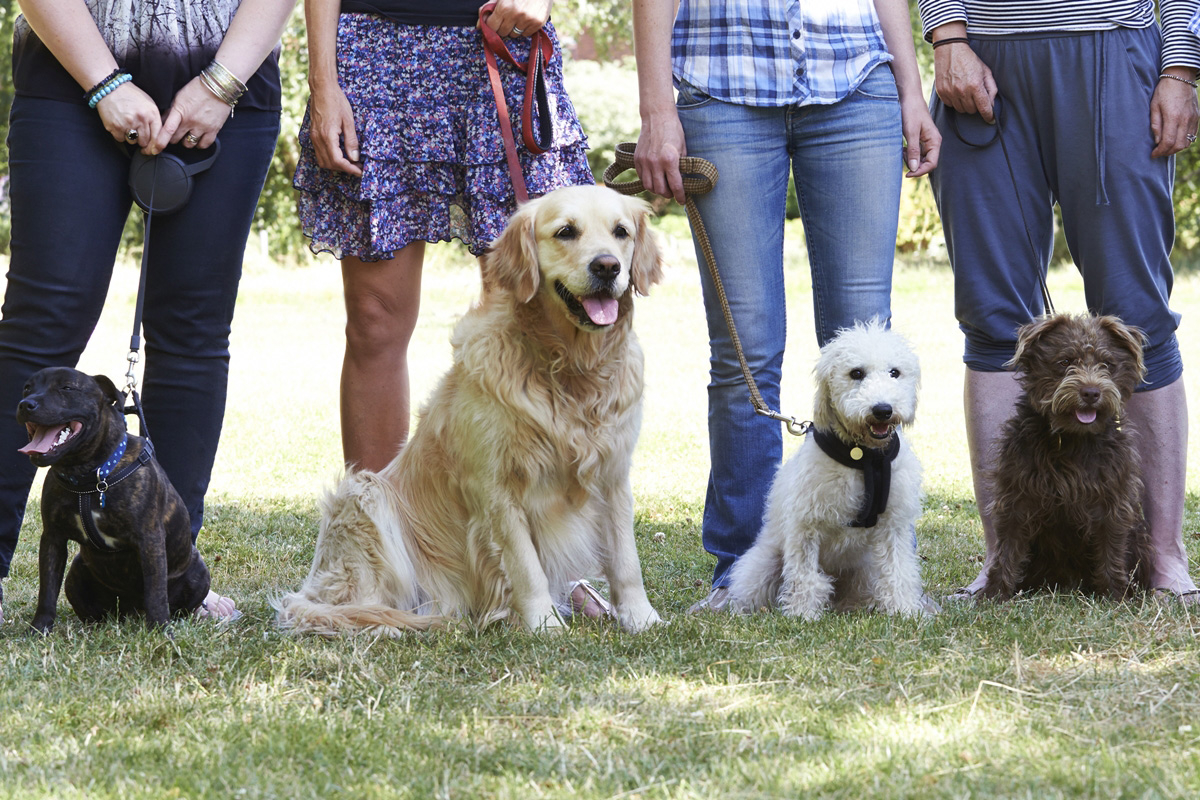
586, 601
218, 607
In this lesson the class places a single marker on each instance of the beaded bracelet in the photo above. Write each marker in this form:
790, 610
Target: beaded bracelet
223, 84
88, 94
1177, 78
951, 40
107, 88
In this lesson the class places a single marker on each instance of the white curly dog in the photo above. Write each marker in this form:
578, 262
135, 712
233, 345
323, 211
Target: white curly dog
839, 525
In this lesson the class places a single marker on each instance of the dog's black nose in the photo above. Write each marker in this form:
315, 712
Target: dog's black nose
883, 411
1089, 395
605, 267
27, 405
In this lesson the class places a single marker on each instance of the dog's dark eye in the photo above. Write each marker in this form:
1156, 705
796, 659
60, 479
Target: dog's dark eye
895, 373
566, 232
857, 374
620, 232
1066, 362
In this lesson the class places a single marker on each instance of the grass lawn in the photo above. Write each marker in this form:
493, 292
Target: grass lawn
1044, 697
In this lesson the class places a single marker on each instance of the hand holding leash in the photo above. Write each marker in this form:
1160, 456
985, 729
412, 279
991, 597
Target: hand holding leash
699, 177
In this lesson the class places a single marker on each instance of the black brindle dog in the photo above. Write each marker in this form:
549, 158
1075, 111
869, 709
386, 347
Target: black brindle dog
105, 491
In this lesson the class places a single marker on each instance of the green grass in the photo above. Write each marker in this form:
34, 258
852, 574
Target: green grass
1055, 696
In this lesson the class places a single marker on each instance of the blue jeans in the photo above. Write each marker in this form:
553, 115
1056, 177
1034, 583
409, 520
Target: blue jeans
70, 200
846, 160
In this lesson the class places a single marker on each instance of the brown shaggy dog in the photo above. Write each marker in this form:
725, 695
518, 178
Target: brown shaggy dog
516, 480
1067, 489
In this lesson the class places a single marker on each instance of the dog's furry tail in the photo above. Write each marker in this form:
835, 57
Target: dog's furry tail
363, 576
298, 614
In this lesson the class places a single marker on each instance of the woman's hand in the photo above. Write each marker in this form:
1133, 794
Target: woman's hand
922, 141
518, 17
127, 108
195, 117
331, 127
660, 145
1173, 115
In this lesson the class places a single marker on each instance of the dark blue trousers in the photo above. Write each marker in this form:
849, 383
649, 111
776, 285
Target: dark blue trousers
70, 201
1076, 125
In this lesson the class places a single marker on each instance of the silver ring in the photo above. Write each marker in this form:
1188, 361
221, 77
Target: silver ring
131, 135
192, 139
1191, 137
518, 31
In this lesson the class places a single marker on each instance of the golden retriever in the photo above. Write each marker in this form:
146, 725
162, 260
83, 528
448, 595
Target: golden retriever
516, 480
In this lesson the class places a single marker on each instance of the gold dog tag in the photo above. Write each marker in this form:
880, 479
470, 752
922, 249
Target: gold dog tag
856, 453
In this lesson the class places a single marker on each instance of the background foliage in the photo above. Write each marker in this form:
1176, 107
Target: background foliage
604, 90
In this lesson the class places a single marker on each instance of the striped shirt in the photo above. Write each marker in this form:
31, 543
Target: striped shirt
1003, 17
776, 52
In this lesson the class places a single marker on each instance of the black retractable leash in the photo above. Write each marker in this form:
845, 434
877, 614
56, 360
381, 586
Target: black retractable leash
160, 184
998, 136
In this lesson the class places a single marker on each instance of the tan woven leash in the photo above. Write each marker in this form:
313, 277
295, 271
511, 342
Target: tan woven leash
699, 177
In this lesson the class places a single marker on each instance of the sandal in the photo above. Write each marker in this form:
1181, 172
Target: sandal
585, 600
1188, 597
962, 594
211, 608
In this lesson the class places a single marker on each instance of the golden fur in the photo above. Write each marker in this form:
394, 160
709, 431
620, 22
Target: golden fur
516, 481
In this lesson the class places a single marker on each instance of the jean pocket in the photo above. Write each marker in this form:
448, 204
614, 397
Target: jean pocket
879, 84
689, 96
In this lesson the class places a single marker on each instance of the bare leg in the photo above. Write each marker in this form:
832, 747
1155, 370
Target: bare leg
1159, 422
988, 401
383, 299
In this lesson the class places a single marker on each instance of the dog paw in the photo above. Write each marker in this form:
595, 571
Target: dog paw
41, 626
812, 613
638, 620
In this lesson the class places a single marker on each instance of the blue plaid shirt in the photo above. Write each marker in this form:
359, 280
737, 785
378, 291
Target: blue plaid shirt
776, 52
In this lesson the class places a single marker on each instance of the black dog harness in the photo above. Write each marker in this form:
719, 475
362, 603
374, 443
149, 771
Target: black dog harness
105, 479
876, 467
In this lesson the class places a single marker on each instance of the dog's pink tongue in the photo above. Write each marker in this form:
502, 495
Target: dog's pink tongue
1086, 416
600, 310
42, 441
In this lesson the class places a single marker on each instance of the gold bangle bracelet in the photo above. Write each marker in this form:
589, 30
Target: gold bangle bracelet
227, 79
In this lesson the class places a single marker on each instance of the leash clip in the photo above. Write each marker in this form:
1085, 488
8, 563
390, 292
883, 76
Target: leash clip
794, 428
130, 375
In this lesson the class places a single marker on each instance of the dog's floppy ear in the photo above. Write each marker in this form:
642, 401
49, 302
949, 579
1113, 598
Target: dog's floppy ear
109, 388
511, 261
1128, 338
1029, 334
823, 414
646, 269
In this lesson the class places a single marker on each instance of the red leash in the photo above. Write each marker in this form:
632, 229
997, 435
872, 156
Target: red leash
537, 141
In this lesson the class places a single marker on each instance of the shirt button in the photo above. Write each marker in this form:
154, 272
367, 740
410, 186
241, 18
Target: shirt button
795, 34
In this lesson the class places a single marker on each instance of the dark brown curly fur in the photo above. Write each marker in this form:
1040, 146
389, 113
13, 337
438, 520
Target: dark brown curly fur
1067, 488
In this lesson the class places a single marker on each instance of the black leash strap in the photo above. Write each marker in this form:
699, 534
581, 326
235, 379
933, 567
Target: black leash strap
135, 339
998, 136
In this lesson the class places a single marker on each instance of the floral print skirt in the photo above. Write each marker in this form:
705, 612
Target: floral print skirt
431, 151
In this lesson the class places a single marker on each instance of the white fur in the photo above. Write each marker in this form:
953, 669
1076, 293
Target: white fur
806, 558
516, 480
